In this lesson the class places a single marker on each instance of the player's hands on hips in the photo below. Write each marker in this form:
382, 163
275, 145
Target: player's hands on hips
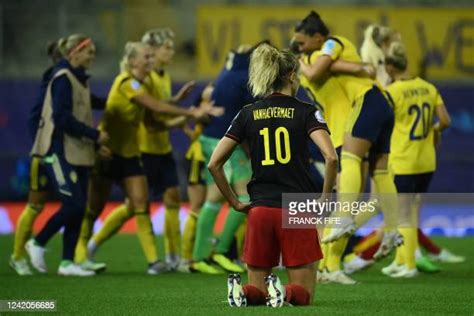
242, 207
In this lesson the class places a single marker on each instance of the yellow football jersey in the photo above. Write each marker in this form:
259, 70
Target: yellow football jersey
195, 149
157, 142
122, 117
412, 150
338, 47
330, 94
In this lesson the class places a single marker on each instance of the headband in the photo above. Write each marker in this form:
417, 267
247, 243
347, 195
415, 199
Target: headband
80, 46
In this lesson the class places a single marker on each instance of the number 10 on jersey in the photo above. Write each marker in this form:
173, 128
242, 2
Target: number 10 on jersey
283, 151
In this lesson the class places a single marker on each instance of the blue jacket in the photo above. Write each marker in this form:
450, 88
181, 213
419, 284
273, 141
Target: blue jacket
64, 120
230, 91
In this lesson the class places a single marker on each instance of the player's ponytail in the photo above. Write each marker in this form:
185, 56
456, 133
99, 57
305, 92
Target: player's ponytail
130, 52
312, 24
52, 49
270, 70
396, 56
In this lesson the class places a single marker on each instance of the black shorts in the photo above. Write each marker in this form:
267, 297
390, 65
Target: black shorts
374, 121
160, 172
413, 183
119, 168
195, 171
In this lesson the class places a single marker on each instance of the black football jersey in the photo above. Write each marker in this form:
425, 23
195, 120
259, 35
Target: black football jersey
276, 130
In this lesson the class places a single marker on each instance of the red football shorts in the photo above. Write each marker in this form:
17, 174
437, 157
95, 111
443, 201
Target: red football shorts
266, 239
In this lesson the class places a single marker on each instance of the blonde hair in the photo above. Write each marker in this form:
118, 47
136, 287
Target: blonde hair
67, 44
270, 69
158, 37
397, 56
130, 52
379, 34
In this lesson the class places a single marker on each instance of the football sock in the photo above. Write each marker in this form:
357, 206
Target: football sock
351, 175
399, 255
325, 250
410, 243
87, 226
146, 235
112, 224
336, 250
24, 228
189, 234
233, 221
296, 295
254, 295
204, 230
427, 243
388, 200
172, 234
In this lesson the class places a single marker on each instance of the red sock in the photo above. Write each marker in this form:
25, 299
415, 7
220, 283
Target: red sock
369, 253
254, 295
427, 243
296, 295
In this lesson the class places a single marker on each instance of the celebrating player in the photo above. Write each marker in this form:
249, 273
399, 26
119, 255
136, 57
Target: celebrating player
39, 185
280, 163
413, 155
65, 139
126, 104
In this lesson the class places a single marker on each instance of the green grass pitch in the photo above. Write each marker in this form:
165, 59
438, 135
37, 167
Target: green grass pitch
125, 288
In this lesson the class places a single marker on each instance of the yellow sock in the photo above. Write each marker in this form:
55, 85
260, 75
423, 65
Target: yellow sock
189, 234
399, 255
24, 228
350, 180
351, 174
171, 231
336, 249
240, 236
325, 250
410, 242
87, 226
385, 186
112, 224
146, 235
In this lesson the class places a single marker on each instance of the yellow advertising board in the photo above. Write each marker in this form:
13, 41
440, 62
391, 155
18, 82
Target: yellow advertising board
443, 36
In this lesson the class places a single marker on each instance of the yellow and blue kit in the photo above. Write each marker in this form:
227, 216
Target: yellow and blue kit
413, 157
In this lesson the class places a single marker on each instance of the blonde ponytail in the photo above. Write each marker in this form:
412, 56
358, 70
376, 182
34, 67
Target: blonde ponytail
270, 69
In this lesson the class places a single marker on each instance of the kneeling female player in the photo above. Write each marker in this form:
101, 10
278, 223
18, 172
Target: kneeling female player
280, 163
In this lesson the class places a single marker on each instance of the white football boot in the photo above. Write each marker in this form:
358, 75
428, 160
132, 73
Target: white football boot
235, 292
74, 270
36, 254
276, 291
